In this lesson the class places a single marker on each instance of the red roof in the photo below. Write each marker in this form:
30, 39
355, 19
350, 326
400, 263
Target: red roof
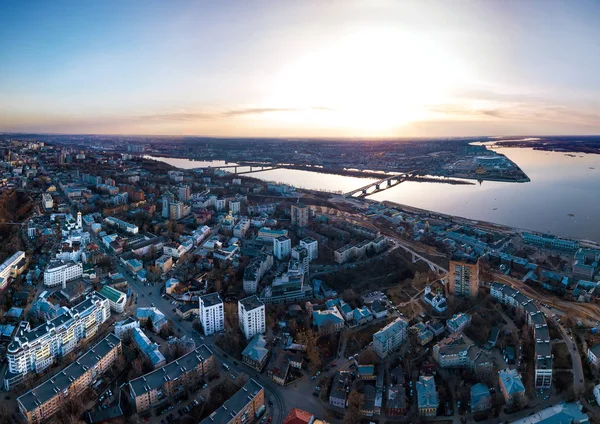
297, 416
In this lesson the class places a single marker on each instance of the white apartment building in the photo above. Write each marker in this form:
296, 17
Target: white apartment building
241, 228
35, 349
251, 313
212, 313
9, 268
255, 271
312, 246
282, 247
234, 207
122, 225
47, 201
300, 253
59, 271
390, 337
220, 204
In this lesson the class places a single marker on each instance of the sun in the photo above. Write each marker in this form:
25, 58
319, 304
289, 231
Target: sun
369, 81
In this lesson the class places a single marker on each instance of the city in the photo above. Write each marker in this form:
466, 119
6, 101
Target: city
300, 212
152, 293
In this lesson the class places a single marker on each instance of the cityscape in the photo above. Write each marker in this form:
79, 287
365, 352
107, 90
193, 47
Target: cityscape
168, 255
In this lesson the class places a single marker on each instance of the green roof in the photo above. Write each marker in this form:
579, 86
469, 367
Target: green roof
111, 294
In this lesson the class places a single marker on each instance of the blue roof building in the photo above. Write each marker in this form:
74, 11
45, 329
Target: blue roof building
481, 399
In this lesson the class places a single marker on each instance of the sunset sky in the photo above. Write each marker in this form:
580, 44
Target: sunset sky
301, 68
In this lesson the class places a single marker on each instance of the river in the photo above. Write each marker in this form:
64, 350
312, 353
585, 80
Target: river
563, 196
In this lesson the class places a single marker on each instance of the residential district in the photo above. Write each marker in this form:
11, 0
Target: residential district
133, 291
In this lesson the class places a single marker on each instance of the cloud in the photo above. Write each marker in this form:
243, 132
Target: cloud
186, 116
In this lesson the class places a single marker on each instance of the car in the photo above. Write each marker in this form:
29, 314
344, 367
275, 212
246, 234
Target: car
233, 376
235, 363
318, 373
196, 402
315, 394
334, 364
270, 403
313, 377
318, 388
225, 355
205, 386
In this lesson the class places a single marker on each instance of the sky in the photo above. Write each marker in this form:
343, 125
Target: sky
327, 68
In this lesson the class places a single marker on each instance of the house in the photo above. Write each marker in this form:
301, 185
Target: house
563, 412
362, 315
256, 353
481, 398
436, 300
458, 322
279, 367
511, 386
594, 355
339, 392
298, 416
378, 308
422, 333
328, 321
366, 372
395, 404
427, 397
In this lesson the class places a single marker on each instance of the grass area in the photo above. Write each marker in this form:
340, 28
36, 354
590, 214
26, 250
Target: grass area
397, 294
562, 357
361, 338
563, 381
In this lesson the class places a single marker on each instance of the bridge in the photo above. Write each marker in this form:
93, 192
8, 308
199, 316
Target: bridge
415, 257
380, 185
254, 167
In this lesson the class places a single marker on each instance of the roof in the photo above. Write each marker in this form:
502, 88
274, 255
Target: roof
480, 394
234, 404
111, 294
298, 416
251, 302
256, 349
63, 380
333, 316
211, 299
561, 413
511, 380
426, 392
171, 371
390, 330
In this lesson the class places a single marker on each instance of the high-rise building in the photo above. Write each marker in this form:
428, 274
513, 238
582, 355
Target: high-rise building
390, 337
299, 215
282, 247
234, 207
175, 210
463, 279
183, 193
251, 313
312, 246
212, 313
167, 198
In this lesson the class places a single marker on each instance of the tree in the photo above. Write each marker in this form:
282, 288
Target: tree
308, 339
355, 401
368, 357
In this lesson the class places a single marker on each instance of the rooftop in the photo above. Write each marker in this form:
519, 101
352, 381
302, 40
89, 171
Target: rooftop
211, 299
234, 404
251, 302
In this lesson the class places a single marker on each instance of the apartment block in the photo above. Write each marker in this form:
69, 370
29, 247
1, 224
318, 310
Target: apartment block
282, 247
463, 279
40, 403
243, 407
152, 388
212, 313
390, 337
299, 215
251, 313
59, 271
32, 350
312, 246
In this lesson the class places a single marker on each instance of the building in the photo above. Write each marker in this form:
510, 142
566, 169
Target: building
395, 404
175, 210
298, 416
126, 325
312, 246
183, 193
328, 321
149, 349
9, 268
234, 207
511, 386
47, 201
299, 215
287, 288
458, 351
390, 337
535, 319
344, 253
481, 398
255, 271
463, 279
251, 313
568, 413
550, 242
40, 403
243, 407
156, 317
122, 225
458, 322
151, 389
427, 397
282, 247
256, 353
164, 263
279, 367
339, 390
436, 300
32, 350
300, 254
167, 198
116, 299
212, 313
59, 272
593, 355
